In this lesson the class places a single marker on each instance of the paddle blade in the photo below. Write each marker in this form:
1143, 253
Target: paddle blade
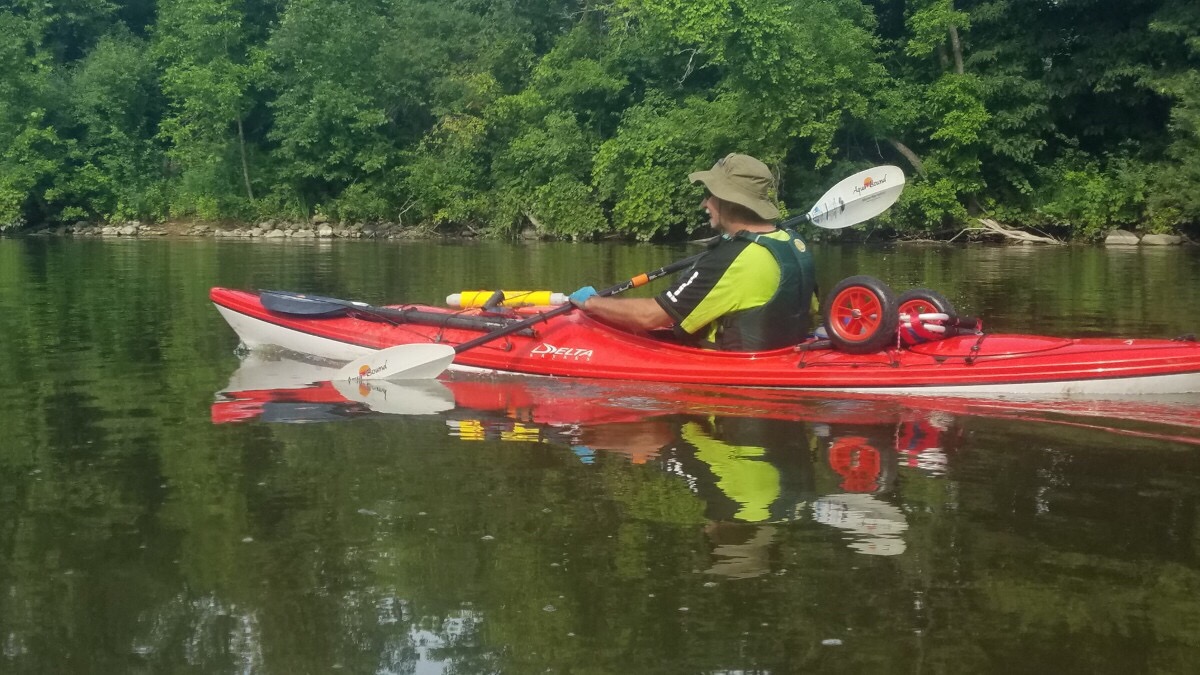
418, 397
860, 197
299, 304
402, 362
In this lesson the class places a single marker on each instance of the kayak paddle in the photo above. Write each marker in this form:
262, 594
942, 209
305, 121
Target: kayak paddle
855, 199
320, 306
425, 360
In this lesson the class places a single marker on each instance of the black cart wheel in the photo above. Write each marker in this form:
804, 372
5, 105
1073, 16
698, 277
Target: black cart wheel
924, 301
861, 315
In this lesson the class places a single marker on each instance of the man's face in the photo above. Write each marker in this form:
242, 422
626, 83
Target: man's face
713, 207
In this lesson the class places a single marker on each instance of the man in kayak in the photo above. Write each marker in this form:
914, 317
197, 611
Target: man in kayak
750, 292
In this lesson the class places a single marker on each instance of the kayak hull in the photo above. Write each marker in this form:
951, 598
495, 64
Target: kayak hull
574, 345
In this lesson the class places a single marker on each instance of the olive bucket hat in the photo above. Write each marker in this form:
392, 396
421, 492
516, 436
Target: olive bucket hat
741, 179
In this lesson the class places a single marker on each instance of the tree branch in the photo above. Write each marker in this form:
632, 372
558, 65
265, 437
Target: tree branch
911, 156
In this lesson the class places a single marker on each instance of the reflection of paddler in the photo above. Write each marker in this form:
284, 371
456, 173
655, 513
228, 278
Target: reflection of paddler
741, 550
760, 468
639, 440
741, 472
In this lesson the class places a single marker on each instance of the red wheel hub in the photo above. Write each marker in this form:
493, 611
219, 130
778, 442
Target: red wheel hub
856, 314
918, 306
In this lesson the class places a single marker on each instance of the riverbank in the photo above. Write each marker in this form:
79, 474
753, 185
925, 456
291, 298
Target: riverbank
269, 229
320, 229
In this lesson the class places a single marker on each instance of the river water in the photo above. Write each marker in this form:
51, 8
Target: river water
171, 505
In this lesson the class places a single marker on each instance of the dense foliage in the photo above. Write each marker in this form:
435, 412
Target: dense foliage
580, 118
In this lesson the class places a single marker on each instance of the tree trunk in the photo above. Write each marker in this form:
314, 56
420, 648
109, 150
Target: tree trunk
245, 163
911, 156
956, 47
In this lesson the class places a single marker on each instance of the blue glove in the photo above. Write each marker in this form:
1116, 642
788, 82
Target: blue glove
581, 296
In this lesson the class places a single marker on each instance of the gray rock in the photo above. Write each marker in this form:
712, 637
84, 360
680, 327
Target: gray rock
1162, 240
1121, 238
274, 234
324, 231
128, 231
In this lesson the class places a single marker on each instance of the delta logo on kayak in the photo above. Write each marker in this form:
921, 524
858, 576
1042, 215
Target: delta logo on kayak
548, 350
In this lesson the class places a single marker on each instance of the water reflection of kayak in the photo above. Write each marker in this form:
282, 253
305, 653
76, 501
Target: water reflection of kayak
755, 458
876, 525
277, 388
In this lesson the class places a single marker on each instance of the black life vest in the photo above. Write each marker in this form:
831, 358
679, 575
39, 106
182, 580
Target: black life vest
785, 319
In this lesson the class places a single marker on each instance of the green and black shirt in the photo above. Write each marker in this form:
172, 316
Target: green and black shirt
745, 295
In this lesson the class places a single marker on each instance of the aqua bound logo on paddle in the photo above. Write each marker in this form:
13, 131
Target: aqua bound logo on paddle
546, 349
365, 370
869, 183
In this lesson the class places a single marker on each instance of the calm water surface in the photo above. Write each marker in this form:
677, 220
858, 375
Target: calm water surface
170, 506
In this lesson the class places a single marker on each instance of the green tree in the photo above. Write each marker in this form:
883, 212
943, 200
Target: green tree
32, 153
208, 70
549, 133
114, 103
1175, 198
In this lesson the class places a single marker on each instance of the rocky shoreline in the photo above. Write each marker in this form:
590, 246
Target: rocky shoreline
1127, 238
319, 228
269, 229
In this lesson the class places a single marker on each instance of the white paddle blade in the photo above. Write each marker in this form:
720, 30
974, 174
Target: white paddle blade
402, 362
269, 369
860, 197
417, 397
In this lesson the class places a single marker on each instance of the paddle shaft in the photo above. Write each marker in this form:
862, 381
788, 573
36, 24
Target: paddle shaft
639, 280
319, 305
795, 220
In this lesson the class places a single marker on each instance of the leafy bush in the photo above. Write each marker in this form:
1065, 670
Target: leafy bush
1091, 196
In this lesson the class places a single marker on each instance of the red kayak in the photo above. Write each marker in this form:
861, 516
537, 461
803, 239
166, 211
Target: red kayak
570, 344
